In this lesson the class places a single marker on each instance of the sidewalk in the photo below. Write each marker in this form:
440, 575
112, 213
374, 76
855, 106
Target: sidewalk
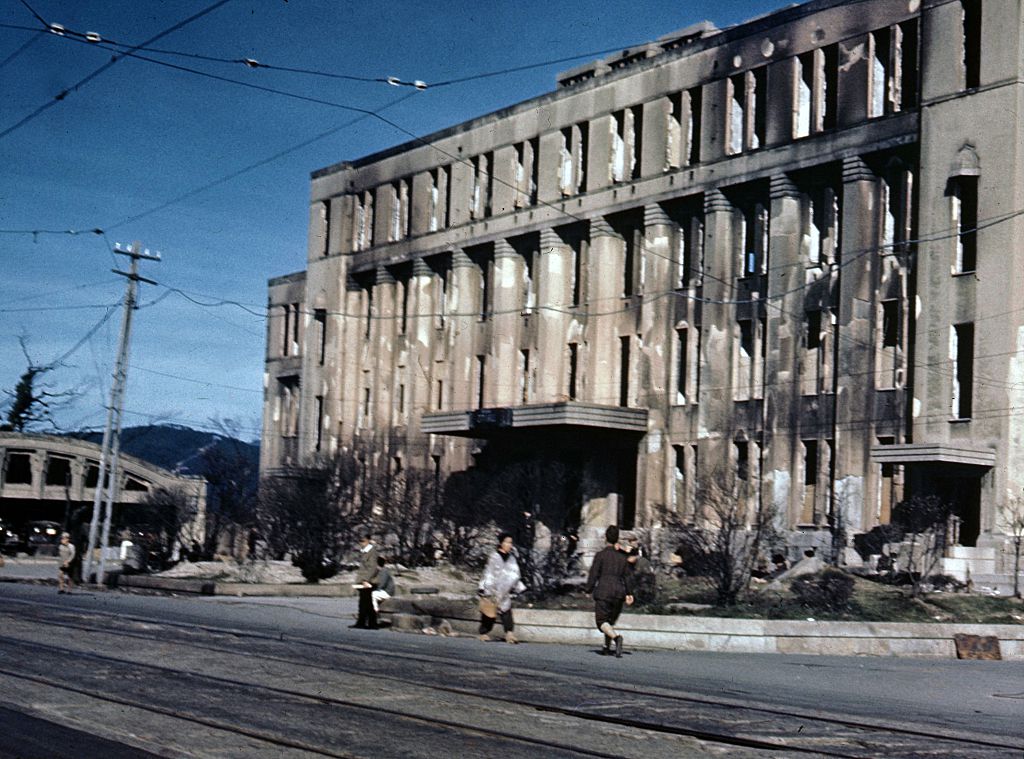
666, 632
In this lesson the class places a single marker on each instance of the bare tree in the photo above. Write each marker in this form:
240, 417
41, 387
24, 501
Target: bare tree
726, 540
231, 472
1015, 524
311, 513
464, 518
925, 520
166, 518
32, 403
403, 506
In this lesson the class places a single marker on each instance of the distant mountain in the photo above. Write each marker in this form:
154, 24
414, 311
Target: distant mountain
172, 447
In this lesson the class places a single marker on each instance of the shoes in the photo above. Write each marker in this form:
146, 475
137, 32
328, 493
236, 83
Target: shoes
510, 638
357, 626
485, 638
618, 646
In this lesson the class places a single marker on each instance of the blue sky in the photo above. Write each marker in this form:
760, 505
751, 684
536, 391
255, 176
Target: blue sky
110, 154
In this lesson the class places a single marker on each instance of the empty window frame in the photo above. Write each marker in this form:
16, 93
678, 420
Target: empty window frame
572, 167
964, 210
578, 245
817, 366
896, 190
440, 198
320, 320
290, 329
525, 377
481, 380
747, 110
752, 235
524, 174
971, 42
682, 364
894, 69
961, 353
815, 106
58, 471
810, 482
400, 216
748, 359
483, 257
682, 139
689, 245
483, 186
820, 225
626, 134
624, 369
890, 334
288, 399
362, 220
325, 226
572, 379
319, 423
18, 468
442, 272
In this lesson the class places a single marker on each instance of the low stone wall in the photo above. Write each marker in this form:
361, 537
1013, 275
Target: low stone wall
213, 588
685, 633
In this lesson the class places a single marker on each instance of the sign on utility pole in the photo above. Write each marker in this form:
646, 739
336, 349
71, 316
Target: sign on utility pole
107, 482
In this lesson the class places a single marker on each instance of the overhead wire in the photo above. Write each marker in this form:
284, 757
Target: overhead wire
114, 60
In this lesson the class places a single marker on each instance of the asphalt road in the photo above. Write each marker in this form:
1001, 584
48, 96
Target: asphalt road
306, 643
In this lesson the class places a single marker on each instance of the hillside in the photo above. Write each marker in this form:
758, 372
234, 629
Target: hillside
176, 448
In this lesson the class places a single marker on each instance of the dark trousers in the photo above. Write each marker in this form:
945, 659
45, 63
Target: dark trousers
607, 611
367, 616
487, 623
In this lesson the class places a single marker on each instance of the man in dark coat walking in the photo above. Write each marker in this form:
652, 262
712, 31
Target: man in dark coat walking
611, 582
366, 580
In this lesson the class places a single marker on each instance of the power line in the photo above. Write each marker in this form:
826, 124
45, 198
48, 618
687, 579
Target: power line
28, 43
197, 381
115, 59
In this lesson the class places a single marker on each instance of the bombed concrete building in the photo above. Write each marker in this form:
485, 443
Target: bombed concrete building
784, 256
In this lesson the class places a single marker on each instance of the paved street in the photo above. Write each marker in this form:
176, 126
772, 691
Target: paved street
167, 675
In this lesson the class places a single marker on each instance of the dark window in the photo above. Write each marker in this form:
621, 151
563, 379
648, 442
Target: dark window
971, 42
320, 318
890, 324
966, 204
18, 469
58, 471
573, 370
624, 370
963, 386
810, 462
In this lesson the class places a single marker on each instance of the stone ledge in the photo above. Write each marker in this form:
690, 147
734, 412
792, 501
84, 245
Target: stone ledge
213, 588
684, 633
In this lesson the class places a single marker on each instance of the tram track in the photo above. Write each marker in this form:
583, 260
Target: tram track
653, 711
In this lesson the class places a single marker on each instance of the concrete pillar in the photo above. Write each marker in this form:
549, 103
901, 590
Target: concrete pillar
352, 343
419, 375
657, 331
382, 335
554, 274
503, 361
717, 334
782, 486
855, 432
465, 304
604, 300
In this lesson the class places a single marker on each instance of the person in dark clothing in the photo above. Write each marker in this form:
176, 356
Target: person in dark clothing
366, 580
611, 582
385, 585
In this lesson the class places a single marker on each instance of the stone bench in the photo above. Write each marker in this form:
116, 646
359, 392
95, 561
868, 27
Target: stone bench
413, 613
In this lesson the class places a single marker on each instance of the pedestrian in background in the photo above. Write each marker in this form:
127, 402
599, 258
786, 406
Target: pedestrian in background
385, 585
366, 581
501, 581
66, 553
611, 582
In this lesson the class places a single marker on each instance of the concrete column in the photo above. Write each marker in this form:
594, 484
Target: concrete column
465, 304
657, 331
855, 433
715, 405
419, 379
351, 343
785, 326
604, 300
553, 294
382, 339
502, 364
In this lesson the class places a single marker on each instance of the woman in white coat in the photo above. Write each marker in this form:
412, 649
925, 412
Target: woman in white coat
500, 582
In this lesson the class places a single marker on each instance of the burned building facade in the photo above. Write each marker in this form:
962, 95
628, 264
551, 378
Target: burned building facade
784, 257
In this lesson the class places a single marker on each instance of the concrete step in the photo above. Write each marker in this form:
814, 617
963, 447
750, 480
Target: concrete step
972, 552
960, 568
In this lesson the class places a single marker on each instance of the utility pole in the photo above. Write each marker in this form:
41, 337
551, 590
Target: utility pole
107, 482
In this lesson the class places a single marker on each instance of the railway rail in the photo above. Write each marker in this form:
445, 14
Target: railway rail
345, 690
